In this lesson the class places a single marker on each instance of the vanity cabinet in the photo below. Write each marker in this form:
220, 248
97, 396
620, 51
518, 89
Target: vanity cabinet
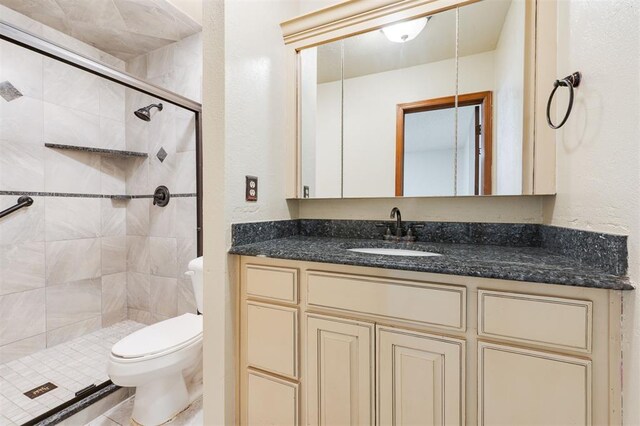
326, 344
270, 352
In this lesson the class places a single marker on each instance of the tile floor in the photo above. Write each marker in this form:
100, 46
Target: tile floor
71, 366
120, 415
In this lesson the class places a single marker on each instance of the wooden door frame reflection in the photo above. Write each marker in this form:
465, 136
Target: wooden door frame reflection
479, 98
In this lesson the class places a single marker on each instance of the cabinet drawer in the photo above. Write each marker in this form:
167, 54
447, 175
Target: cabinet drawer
271, 401
420, 302
268, 282
272, 338
540, 320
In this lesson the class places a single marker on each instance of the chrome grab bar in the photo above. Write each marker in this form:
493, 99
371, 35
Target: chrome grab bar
23, 201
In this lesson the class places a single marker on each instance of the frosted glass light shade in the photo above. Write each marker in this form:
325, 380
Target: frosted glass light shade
405, 31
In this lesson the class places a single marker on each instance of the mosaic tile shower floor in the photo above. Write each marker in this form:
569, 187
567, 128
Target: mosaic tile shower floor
71, 366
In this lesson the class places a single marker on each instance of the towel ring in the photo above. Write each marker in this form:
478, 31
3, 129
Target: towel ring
570, 81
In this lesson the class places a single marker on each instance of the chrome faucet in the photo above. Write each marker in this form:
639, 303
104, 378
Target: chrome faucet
395, 214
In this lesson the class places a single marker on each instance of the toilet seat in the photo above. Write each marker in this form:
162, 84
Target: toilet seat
159, 339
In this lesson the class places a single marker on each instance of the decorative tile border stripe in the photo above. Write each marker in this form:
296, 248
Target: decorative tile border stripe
76, 195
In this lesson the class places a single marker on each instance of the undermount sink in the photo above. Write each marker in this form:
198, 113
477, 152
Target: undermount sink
394, 252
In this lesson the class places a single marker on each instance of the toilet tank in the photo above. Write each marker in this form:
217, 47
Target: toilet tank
197, 280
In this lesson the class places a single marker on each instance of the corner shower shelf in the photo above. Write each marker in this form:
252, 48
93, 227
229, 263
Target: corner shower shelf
99, 151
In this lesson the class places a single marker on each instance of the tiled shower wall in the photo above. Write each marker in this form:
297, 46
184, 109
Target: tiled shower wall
66, 262
162, 241
63, 259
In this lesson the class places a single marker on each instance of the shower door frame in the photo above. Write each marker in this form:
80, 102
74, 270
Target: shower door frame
39, 45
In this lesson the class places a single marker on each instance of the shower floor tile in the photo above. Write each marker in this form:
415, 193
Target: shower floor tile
71, 366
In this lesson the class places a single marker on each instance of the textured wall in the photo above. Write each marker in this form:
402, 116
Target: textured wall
598, 149
244, 134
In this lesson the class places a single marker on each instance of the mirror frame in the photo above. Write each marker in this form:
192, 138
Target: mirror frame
350, 18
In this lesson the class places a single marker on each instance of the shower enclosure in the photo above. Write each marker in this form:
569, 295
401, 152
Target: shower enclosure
97, 253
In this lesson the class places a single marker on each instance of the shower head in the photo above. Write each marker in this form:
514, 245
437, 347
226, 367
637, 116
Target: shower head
145, 113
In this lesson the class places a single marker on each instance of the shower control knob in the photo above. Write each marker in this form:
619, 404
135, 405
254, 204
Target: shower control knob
161, 196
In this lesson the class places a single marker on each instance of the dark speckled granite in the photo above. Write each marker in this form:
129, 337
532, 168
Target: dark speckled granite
505, 234
533, 264
603, 251
248, 233
522, 252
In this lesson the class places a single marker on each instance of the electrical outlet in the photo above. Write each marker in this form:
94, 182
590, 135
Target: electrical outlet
251, 188
305, 191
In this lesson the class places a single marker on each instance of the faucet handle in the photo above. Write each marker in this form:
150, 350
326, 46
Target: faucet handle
387, 232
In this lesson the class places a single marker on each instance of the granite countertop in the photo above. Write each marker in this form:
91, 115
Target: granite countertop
532, 264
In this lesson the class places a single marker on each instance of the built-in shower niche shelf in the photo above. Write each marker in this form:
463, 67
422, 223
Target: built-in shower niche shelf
99, 151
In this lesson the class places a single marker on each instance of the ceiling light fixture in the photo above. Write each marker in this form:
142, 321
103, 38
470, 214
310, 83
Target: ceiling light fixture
405, 31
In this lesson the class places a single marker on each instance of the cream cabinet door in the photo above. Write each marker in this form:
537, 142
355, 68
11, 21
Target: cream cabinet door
270, 401
525, 387
420, 378
339, 372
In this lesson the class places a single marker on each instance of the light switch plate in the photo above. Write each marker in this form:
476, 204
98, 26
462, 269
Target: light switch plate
251, 188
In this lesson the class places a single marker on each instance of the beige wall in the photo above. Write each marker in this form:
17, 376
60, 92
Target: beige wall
244, 134
598, 149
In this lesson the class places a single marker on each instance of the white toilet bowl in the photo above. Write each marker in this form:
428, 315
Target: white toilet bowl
152, 360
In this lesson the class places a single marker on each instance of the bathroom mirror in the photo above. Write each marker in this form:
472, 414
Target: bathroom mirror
430, 106
321, 101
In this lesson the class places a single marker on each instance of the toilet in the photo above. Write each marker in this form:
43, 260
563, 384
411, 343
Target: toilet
153, 359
